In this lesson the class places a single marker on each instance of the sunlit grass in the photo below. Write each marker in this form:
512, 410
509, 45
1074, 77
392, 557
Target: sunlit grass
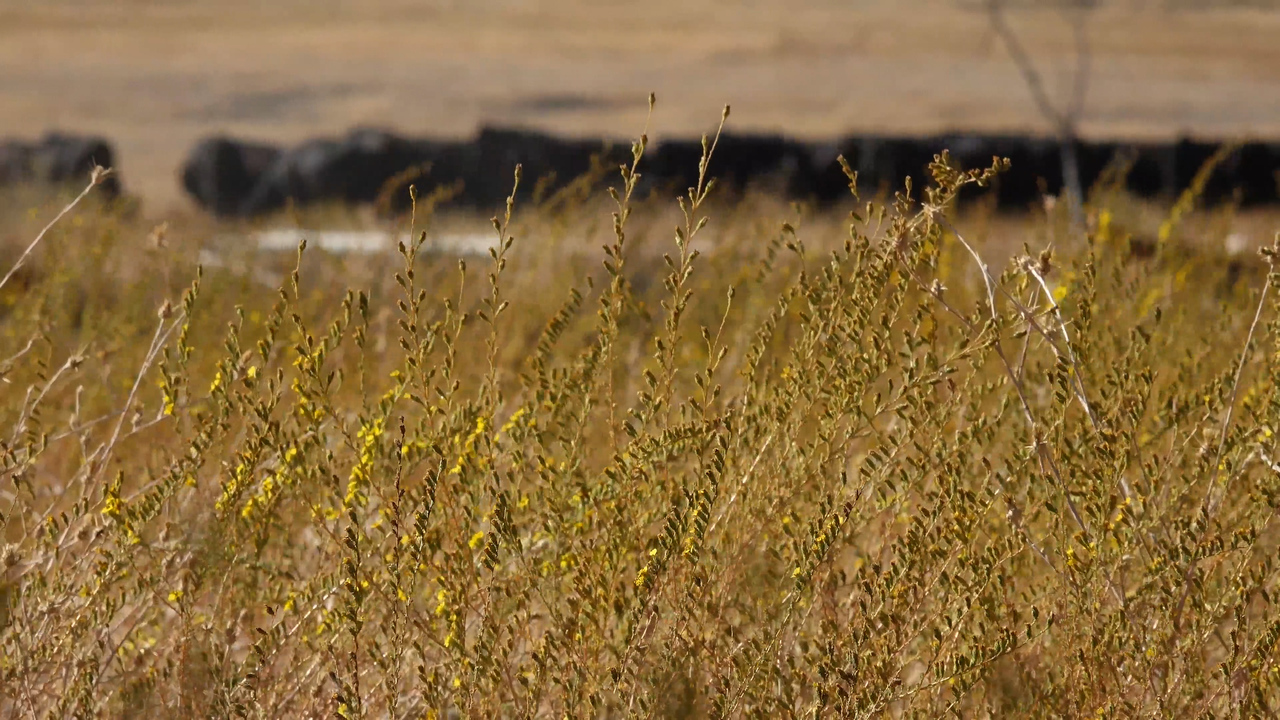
748, 461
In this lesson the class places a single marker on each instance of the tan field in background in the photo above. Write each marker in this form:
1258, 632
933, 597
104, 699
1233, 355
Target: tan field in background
155, 77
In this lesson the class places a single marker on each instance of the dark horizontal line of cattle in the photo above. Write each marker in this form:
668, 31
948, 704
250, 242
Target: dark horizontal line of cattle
234, 178
56, 159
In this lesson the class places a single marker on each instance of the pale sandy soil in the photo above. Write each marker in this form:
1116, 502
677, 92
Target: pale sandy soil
155, 76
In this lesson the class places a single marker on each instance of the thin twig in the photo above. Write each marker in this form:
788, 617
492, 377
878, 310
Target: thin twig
1022, 59
96, 177
7, 363
1235, 391
1043, 452
1046, 457
1065, 122
1070, 355
1207, 505
157, 342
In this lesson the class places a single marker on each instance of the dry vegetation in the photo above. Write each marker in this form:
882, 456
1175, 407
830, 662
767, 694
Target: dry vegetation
826, 467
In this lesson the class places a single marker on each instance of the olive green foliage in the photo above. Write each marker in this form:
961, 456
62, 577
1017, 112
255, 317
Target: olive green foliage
793, 465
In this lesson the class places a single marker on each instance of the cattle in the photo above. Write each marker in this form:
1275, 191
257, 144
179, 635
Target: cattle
58, 159
1035, 166
1257, 174
353, 169
1152, 170
15, 162
359, 167
221, 172
1189, 156
884, 164
321, 169
543, 158
865, 154
1148, 170
431, 165
1164, 170
233, 178
769, 162
1247, 172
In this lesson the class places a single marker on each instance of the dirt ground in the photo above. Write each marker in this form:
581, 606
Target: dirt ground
155, 76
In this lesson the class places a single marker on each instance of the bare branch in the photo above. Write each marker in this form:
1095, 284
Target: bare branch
1065, 121
1035, 83
1084, 59
99, 174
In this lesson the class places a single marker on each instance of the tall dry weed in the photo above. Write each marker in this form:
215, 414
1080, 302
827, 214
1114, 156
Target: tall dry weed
778, 468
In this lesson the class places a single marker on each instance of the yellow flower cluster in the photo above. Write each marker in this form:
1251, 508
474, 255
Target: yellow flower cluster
371, 433
305, 407
240, 477
468, 454
271, 487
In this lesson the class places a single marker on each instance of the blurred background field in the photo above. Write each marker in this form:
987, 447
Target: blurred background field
154, 77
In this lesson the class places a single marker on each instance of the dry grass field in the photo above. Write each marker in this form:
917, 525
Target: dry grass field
743, 461
696, 458
156, 76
